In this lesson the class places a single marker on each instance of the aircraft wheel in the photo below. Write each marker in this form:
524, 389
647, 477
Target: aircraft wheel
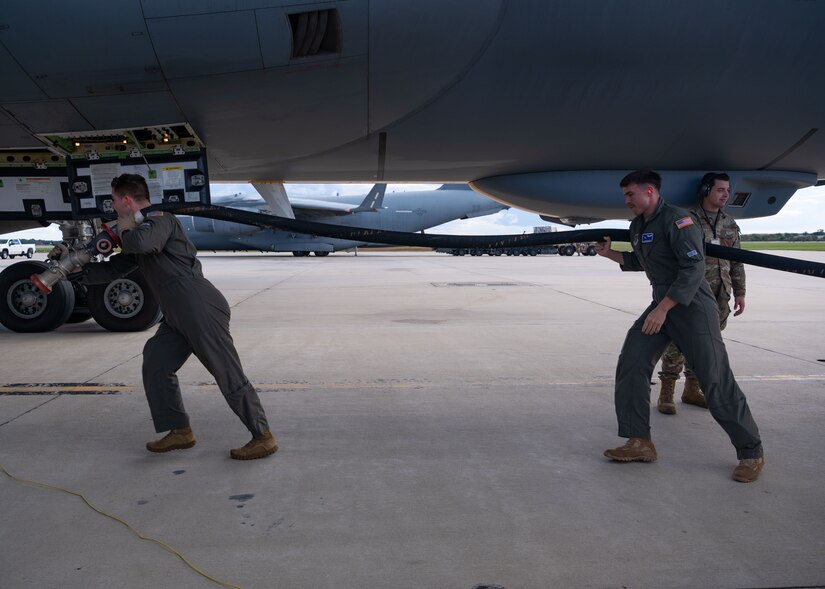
321, 254
591, 251
24, 308
569, 250
300, 254
125, 304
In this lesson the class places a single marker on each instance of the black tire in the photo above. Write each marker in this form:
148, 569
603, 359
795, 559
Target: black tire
569, 250
29, 254
24, 309
125, 304
4, 254
591, 250
300, 254
321, 254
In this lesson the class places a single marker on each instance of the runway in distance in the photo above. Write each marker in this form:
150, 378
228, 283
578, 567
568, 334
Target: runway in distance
540, 104
407, 212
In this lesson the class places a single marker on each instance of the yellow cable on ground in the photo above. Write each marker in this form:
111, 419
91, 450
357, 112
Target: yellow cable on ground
117, 519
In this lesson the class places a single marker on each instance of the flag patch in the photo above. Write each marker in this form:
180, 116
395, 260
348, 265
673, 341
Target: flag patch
684, 222
647, 238
693, 254
154, 214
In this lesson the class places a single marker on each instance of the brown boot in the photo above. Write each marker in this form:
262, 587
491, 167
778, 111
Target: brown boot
692, 394
635, 450
666, 404
259, 447
177, 439
748, 469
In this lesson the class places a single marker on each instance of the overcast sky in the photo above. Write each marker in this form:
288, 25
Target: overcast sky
805, 211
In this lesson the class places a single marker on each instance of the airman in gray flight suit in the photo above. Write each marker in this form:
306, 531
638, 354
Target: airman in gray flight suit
195, 320
668, 247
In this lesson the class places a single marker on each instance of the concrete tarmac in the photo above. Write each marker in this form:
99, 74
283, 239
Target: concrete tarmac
442, 422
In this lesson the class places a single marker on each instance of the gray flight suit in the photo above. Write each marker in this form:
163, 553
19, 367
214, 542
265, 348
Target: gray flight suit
669, 248
723, 276
195, 320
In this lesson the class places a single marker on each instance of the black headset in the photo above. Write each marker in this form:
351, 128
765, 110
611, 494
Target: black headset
705, 184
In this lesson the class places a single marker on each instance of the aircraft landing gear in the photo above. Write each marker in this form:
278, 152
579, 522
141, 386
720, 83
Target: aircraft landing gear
24, 308
125, 304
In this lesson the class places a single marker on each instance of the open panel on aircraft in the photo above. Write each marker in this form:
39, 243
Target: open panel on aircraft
70, 177
182, 181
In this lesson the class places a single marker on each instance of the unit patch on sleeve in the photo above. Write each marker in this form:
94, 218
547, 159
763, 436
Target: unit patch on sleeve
684, 222
647, 238
154, 214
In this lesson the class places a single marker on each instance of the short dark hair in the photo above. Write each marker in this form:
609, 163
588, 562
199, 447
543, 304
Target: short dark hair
643, 176
132, 184
708, 180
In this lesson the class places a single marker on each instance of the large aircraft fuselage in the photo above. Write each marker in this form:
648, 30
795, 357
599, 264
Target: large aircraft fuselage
434, 91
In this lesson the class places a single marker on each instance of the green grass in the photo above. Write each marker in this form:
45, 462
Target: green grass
805, 246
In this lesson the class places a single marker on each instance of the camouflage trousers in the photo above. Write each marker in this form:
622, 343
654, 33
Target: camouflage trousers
673, 362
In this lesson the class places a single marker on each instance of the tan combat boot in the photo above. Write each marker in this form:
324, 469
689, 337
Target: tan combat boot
259, 447
177, 439
692, 394
666, 404
748, 469
635, 450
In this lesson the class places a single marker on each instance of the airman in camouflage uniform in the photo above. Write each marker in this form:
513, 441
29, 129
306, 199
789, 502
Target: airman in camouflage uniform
724, 277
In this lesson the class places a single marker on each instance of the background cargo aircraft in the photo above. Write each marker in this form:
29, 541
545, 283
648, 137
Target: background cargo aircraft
540, 104
402, 211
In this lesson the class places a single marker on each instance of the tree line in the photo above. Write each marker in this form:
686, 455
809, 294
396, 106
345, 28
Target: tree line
818, 235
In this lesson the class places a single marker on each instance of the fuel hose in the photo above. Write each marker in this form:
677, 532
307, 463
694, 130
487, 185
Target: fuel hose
435, 240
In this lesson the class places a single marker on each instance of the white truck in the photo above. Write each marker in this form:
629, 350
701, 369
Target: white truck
14, 247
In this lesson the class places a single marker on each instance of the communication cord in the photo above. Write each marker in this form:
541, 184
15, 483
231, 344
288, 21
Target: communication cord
128, 526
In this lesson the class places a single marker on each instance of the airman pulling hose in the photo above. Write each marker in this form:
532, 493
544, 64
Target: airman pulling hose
435, 240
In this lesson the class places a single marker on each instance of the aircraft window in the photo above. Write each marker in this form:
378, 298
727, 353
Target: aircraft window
315, 33
739, 199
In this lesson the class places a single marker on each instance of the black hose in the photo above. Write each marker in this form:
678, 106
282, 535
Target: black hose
435, 240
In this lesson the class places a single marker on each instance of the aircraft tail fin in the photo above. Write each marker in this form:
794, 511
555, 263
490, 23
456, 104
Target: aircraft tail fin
373, 201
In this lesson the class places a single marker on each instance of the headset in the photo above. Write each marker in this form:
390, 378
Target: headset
707, 182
